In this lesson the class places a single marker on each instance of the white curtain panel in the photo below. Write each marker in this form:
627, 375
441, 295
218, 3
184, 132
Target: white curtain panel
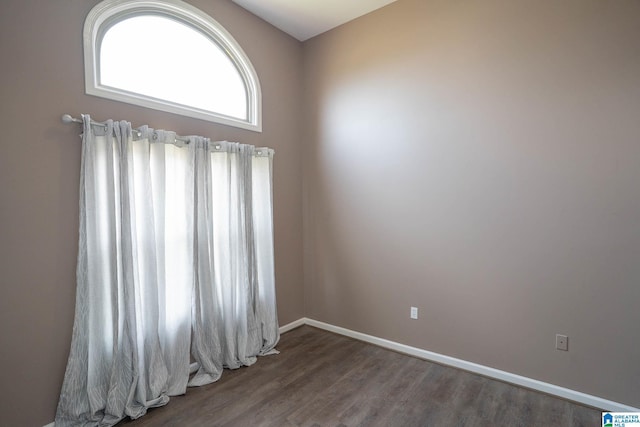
175, 264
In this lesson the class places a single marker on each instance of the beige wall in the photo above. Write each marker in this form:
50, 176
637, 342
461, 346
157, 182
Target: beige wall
481, 160
42, 78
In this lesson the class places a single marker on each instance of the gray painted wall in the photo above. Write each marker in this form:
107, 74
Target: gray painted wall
42, 78
481, 160
478, 160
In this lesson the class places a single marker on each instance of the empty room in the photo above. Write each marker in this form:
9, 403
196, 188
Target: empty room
320, 213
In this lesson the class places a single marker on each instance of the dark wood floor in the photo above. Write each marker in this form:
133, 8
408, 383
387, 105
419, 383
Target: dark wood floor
323, 379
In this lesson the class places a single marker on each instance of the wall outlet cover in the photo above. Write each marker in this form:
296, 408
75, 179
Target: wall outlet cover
562, 342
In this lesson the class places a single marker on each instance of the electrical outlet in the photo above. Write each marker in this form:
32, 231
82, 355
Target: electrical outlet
562, 342
414, 312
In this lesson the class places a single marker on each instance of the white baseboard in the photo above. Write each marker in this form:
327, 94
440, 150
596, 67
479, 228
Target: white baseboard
565, 393
292, 325
51, 425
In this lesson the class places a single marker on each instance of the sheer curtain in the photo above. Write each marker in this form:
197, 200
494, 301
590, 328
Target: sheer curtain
175, 264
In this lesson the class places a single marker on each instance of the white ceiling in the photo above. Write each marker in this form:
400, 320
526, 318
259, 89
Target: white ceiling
304, 19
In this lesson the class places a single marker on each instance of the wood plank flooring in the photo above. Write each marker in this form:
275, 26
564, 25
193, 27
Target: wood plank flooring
323, 379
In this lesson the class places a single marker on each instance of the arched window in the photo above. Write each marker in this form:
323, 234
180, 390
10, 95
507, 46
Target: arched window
170, 56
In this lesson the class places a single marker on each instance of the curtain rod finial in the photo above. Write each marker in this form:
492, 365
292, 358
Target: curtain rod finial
66, 118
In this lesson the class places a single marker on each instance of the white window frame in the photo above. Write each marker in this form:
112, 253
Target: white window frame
108, 12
